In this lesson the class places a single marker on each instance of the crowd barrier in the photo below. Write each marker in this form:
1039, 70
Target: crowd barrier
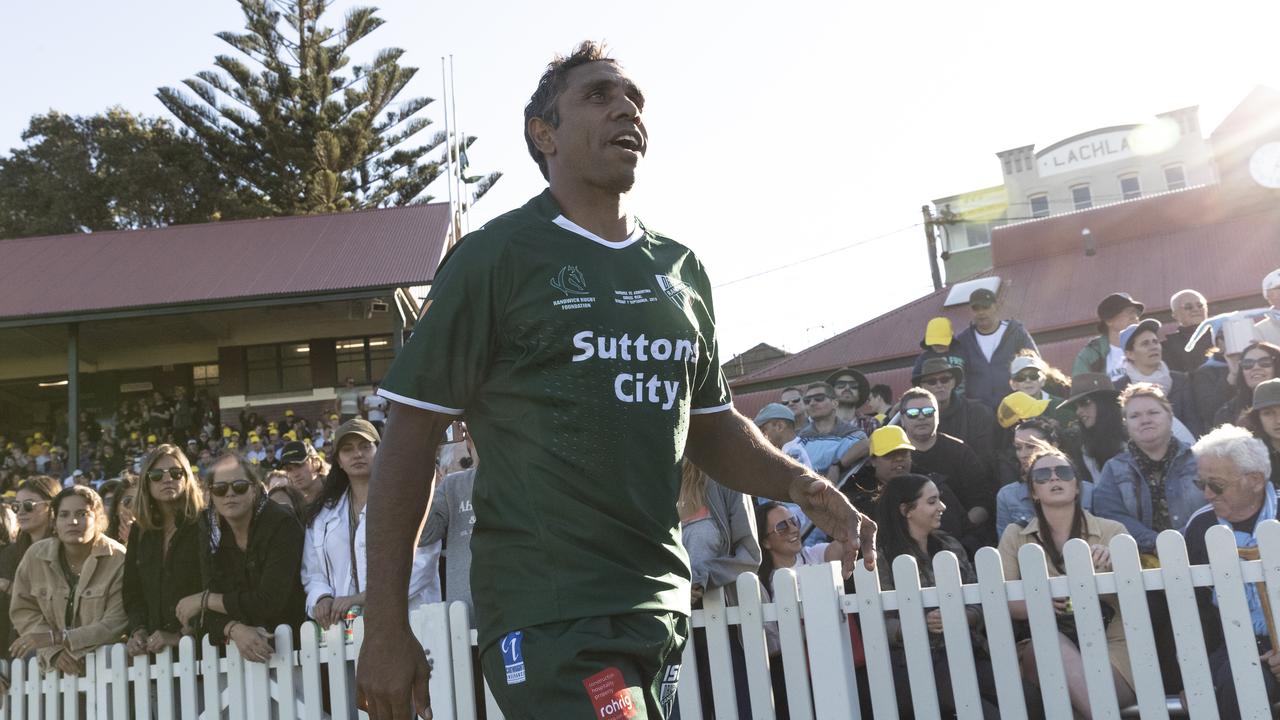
812, 615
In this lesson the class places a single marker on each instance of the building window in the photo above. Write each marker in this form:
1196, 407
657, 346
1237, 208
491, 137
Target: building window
1129, 187
1175, 178
1081, 197
364, 359
1039, 205
278, 368
204, 375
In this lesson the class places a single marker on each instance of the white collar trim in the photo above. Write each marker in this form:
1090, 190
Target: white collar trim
573, 227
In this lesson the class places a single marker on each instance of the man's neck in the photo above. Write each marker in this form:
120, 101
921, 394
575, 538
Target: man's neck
826, 424
988, 329
945, 402
847, 413
598, 211
926, 444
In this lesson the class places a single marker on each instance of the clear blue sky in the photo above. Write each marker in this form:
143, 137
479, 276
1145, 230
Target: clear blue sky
778, 131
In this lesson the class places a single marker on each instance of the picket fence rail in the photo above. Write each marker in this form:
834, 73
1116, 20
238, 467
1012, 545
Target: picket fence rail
818, 664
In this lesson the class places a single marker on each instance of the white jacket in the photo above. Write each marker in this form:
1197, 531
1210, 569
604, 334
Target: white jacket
326, 560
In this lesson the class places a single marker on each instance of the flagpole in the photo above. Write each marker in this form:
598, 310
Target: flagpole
448, 159
453, 104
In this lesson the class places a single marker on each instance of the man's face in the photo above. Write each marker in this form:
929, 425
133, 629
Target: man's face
1028, 380
1269, 418
818, 403
940, 384
1273, 297
985, 316
302, 477
925, 424
1123, 319
794, 400
1146, 350
773, 430
847, 390
1235, 496
1189, 310
891, 466
600, 138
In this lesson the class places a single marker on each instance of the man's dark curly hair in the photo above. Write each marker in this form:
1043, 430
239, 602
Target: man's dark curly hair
542, 104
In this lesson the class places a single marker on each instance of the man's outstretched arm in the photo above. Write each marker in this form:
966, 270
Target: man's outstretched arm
734, 453
394, 668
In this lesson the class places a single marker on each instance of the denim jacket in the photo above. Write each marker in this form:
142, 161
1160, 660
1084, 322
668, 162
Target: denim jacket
1014, 506
1122, 495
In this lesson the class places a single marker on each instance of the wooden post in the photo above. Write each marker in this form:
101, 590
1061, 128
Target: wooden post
1252, 553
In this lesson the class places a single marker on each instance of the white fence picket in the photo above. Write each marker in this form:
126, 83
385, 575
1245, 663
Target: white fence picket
1044, 631
1237, 623
49, 688
1269, 546
875, 642
1090, 632
716, 619
689, 693
1184, 621
1136, 616
957, 634
430, 625
835, 687
309, 659
1000, 640
462, 666
187, 671
140, 678
755, 649
915, 637
791, 632
334, 656
211, 672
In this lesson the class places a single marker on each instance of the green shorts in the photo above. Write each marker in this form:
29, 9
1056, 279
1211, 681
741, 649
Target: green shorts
606, 668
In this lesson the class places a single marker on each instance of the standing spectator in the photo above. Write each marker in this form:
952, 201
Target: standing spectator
163, 562
305, 468
834, 446
879, 400
1102, 431
161, 414
1259, 362
909, 516
1143, 364
33, 506
960, 417
375, 408
184, 414
334, 561
347, 402
1104, 354
120, 513
941, 454
251, 564
68, 593
939, 342
452, 519
988, 345
1059, 516
777, 424
851, 388
1268, 328
1263, 420
1150, 485
1189, 310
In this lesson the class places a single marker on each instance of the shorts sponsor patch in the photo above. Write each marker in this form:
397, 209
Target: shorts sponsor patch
513, 656
667, 690
609, 695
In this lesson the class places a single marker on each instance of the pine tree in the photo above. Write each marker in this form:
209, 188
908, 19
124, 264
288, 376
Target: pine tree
299, 133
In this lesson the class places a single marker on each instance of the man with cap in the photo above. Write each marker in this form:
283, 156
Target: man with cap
852, 389
968, 420
1189, 309
1103, 354
1143, 363
305, 469
778, 424
988, 345
939, 342
1268, 328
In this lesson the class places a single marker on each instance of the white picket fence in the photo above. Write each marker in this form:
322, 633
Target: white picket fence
817, 656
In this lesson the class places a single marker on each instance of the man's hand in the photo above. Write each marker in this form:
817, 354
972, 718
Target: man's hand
1272, 660
384, 680
831, 511
68, 665
933, 621
161, 639
322, 613
137, 644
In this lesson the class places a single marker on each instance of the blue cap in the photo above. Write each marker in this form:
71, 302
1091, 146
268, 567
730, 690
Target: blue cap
1126, 335
774, 411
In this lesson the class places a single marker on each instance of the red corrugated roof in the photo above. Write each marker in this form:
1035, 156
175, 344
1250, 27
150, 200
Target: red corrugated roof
65, 274
1150, 248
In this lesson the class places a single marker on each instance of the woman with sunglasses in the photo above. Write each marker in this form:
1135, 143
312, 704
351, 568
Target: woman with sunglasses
1014, 505
252, 563
33, 506
909, 516
1259, 362
1055, 490
68, 593
121, 509
163, 564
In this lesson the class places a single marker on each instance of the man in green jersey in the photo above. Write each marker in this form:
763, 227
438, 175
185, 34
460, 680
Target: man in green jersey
581, 347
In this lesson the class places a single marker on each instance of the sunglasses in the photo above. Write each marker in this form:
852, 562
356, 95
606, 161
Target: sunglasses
1027, 376
914, 413
1217, 488
792, 401
782, 525
1042, 475
810, 399
126, 501
27, 506
157, 475
844, 384
936, 380
1265, 363
219, 489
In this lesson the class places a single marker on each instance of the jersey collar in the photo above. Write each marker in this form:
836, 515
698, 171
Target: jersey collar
550, 209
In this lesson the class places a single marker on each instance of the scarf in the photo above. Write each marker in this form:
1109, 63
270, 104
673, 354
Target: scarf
215, 523
1248, 540
1161, 376
1153, 473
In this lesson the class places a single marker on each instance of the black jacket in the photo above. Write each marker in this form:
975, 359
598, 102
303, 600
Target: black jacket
974, 423
153, 583
1179, 359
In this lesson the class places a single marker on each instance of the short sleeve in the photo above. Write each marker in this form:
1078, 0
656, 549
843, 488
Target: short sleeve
446, 359
711, 393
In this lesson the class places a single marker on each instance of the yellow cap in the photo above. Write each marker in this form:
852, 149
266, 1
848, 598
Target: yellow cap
938, 332
288, 413
39, 436
133, 435
152, 438
291, 435
1018, 406
226, 432
889, 438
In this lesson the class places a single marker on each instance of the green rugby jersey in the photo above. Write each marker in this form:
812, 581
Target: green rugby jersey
577, 362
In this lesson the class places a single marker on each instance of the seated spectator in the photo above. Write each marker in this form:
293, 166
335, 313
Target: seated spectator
1104, 353
273, 480
1263, 420
1259, 362
851, 388
777, 424
1059, 516
290, 498
939, 342
33, 508
968, 420
68, 593
1268, 328
1030, 374
305, 468
121, 514
1014, 505
251, 564
879, 400
1189, 310
834, 446
937, 453
1095, 401
1211, 383
793, 398
1143, 364
1018, 406
988, 345
163, 562
1232, 474
909, 515
1150, 485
